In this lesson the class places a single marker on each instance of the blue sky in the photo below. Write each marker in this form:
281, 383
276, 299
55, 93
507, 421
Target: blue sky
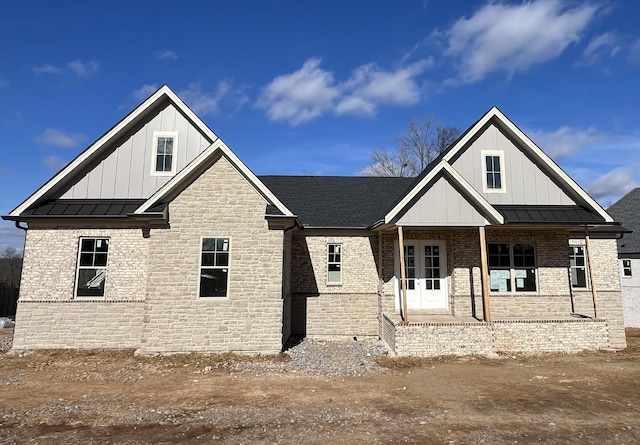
301, 87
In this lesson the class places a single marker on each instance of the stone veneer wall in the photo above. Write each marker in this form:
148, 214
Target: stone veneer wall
432, 339
219, 203
78, 324
49, 316
348, 309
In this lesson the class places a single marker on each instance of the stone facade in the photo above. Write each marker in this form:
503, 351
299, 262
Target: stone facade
220, 203
323, 309
151, 291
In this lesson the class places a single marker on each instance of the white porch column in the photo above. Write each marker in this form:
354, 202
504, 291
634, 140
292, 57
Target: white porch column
486, 304
403, 278
594, 291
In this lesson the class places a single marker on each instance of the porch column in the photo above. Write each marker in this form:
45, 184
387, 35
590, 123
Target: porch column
486, 304
594, 291
403, 278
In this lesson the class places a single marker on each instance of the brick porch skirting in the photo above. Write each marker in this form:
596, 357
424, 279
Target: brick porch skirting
482, 338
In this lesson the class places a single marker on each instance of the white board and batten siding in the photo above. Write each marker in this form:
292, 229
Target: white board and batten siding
125, 173
442, 205
525, 183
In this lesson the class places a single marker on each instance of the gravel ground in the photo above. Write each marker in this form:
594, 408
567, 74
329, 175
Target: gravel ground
322, 357
6, 339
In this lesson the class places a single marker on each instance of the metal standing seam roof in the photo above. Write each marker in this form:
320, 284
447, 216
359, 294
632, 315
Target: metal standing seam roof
541, 214
627, 211
84, 208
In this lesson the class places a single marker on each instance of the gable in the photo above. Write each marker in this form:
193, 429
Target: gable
525, 183
125, 169
441, 205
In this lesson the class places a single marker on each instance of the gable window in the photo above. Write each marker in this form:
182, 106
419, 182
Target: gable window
512, 266
164, 153
578, 267
214, 267
493, 169
334, 263
626, 268
92, 267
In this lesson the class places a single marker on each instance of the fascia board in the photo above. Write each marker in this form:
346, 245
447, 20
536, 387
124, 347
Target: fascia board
217, 145
414, 191
473, 194
444, 167
543, 157
83, 157
534, 149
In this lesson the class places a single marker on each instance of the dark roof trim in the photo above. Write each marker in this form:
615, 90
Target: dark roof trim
548, 215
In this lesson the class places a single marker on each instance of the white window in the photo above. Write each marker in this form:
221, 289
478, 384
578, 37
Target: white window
512, 266
578, 267
334, 263
214, 267
493, 171
165, 144
92, 267
626, 268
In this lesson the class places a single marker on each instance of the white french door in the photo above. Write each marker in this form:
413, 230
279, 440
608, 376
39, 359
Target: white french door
426, 274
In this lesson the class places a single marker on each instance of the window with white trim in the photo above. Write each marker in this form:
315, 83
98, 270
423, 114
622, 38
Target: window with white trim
92, 267
493, 171
334, 263
578, 267
626, 268
164, 153
214, 267
512, 266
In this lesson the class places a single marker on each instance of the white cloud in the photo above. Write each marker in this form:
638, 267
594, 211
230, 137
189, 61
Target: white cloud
84, 69
615, 183
144, 91
203, 103
565, 141
170, 55
54, 163
311, 91
59, 138
46, 69
512, 38
603, 44
300, 96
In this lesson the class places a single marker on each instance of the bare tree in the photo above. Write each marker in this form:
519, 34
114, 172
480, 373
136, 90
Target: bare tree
10, 267
413, 150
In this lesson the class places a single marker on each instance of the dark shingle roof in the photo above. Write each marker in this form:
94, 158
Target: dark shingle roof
540, 214
84, 208
337, 201
627, 211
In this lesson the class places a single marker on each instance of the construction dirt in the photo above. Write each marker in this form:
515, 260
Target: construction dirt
102, 397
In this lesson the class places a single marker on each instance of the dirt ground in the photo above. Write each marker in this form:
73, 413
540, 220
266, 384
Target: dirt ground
115, 397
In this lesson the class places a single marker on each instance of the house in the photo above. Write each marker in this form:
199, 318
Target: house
627, 210
158, 237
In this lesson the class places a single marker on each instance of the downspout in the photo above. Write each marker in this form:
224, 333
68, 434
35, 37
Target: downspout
594, 290
284, 277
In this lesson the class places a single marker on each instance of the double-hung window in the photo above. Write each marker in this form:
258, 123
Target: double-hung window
512, 266
334, 263
92, 267
493, 169
578, 267
214, 267
164, 153
626, 268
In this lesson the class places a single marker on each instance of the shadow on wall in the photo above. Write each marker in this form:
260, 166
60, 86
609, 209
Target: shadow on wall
303, 284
